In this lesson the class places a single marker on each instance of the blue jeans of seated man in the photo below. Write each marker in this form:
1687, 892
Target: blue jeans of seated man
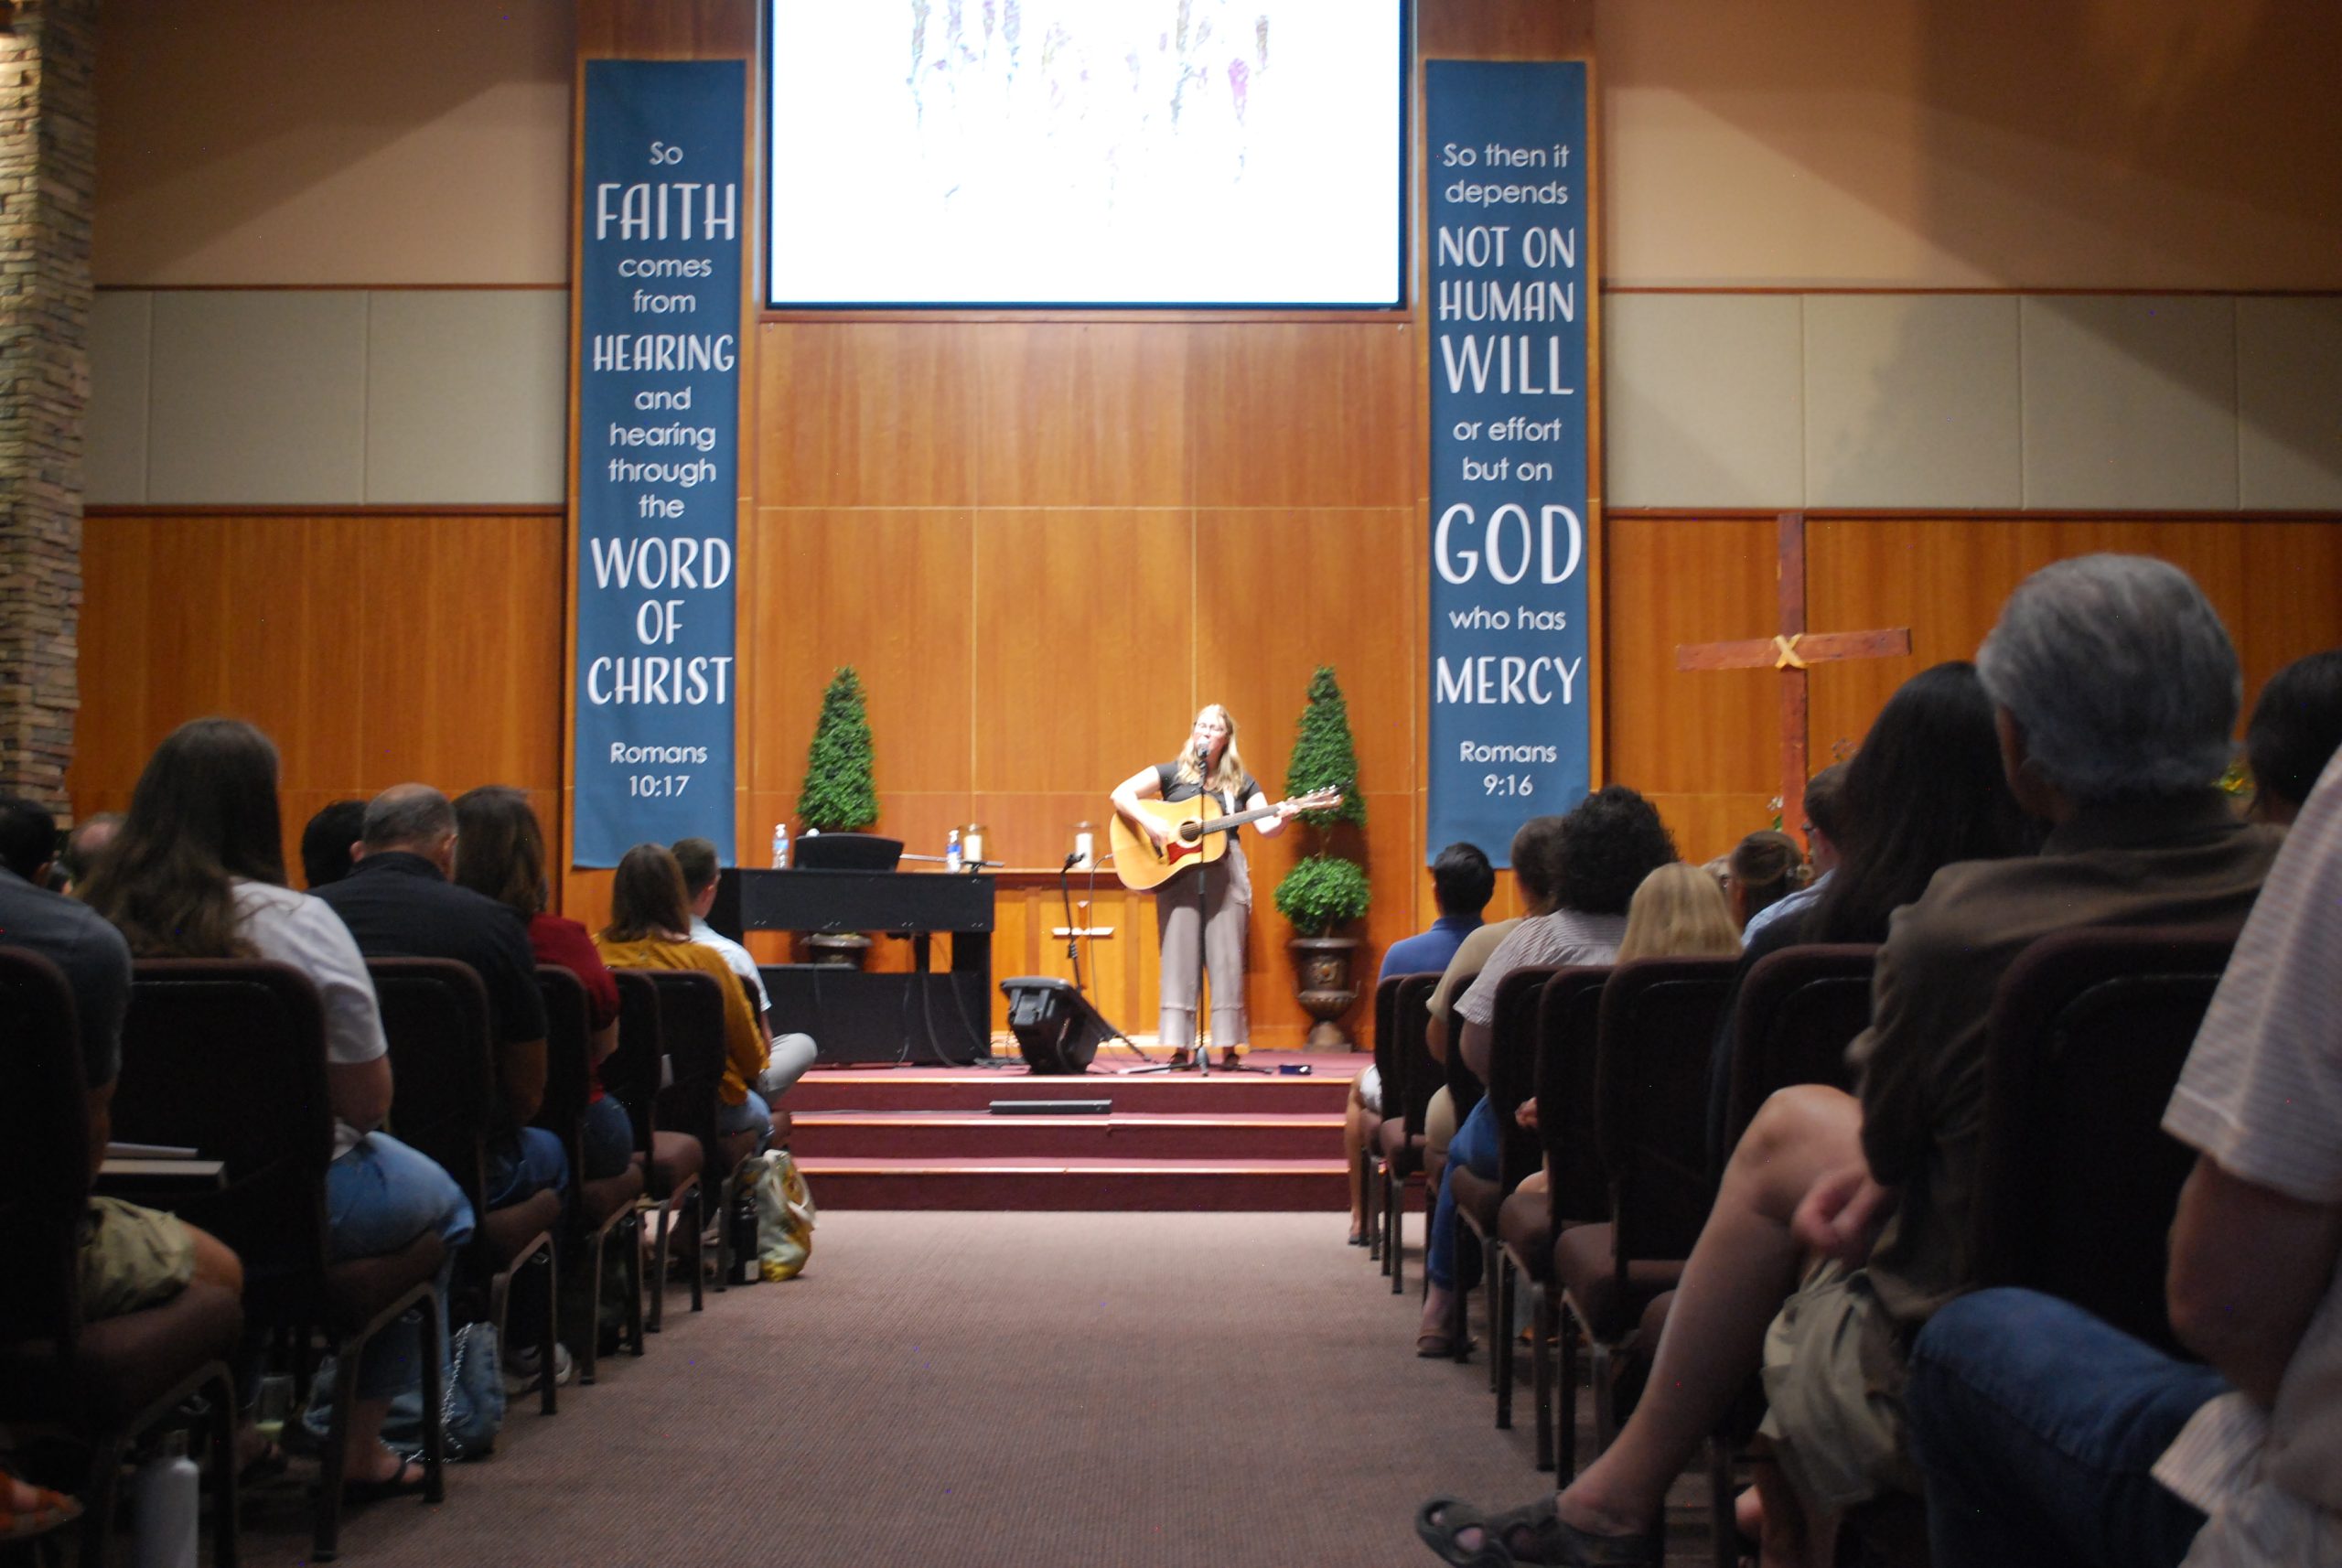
380, 1197
2036, 1426
754, 1112
1475, 1146
519, 1166
608, 1139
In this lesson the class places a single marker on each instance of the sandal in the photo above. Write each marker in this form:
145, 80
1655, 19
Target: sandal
1442, 1346
1531, 1533
412, 1479
45, 1511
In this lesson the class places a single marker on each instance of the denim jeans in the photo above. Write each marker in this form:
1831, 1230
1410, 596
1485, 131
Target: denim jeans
519, 1165
608, 1139
380, 1197
754, 1113
2036, 1426
1475, 1146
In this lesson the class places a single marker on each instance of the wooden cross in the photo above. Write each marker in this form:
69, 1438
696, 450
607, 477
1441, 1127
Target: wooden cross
1791, 651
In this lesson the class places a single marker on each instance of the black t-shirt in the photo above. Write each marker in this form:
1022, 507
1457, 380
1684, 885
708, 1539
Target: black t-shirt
398, 906
1174, 787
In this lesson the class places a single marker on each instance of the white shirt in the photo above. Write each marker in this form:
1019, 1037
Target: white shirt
2261, 1095
294, 928
1565, 936
734, 954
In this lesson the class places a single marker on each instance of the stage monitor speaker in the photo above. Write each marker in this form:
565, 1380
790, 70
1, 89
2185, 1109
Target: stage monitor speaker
1057, 1030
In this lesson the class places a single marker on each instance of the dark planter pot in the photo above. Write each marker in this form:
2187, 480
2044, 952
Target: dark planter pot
837, 949
1322, 985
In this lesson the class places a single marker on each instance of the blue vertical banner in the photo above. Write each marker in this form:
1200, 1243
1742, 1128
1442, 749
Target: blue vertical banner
658, 452
1512, 272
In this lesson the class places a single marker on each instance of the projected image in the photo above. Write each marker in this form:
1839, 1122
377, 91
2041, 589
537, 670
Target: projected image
1086, 152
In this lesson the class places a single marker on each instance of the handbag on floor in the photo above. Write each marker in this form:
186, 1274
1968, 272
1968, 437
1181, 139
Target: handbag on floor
785, 1215
471, 1405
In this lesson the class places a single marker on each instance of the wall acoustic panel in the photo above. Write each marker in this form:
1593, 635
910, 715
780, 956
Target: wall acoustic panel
121, 330
1703, 401
260, 398
2129, 401
467, 392
1910, 400
2289, 400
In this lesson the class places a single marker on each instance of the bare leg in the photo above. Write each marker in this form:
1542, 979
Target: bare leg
215, 1265
369, 1460
1743, 1267
1787, 1535
1353, 1145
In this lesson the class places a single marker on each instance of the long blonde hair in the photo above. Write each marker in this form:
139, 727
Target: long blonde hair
1679, 912
1228, 779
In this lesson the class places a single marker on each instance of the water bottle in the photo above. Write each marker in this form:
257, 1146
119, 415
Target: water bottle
163, 1501
952, 851
779, 846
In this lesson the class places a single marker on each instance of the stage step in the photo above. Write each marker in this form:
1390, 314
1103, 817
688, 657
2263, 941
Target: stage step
923, 1137
1010, 1182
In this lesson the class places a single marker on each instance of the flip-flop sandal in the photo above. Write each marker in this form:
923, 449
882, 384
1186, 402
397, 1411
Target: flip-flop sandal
49, 1509
265, 1463
1441, 1347
397, 1486
1531, 1533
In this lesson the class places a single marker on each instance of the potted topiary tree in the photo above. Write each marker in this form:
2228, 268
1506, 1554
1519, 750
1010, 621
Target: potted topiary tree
1324, 891
839, 794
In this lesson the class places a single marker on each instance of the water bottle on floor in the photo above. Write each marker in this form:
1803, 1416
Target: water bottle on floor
164, 1507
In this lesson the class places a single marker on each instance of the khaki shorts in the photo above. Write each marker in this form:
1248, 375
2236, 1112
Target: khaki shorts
132, 1258
1834, 1380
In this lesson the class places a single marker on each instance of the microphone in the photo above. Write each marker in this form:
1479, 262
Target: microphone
1072, 860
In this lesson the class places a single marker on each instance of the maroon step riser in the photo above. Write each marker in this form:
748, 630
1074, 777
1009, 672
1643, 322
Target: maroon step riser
1229, 1096
1086, 1191
1019, 1138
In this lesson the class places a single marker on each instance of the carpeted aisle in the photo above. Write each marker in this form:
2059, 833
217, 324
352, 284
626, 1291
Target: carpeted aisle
1162, 1391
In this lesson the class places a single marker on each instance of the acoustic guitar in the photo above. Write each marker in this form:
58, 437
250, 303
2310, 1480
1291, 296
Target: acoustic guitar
1191, 838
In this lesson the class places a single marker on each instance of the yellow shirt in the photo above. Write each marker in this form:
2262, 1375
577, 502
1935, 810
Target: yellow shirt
743, 1043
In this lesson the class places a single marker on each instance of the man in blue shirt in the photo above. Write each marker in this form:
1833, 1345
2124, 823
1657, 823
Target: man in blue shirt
1462, 883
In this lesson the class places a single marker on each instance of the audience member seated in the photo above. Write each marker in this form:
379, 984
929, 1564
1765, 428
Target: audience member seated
2295, 726
2047, 1436
2115, 691
1462, 883
1531, 858
198, 872
399, 903
330, 843
131, 1257
1823, 826
1763, 869
1925, 789
790, 1053
1602, 850
500, 854
88, 841
651, 929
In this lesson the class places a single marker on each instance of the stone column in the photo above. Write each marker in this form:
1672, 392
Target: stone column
47, 172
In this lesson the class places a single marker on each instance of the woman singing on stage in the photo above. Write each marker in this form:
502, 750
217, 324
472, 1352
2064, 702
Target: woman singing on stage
1201, 914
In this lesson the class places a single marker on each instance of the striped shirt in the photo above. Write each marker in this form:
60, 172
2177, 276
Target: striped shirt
2261, 1096
1565, 936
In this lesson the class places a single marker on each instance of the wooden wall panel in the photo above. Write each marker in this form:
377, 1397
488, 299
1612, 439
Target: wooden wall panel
667, 29
1703, 745
1307, 414
373, 649
867, 414
1081, 414
1505, 29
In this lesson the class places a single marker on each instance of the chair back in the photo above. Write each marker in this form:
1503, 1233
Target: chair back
1464, 1086
2077, 1182
569, 1061
1410, 1077
1800, 1008
631, 1074
1569, 1019
1658, 1029
44, 1150
227, 1057
435, 1016
690, 1028
1386, 998
1512, 1069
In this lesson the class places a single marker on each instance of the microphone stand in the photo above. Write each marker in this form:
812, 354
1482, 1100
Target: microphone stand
1074, 932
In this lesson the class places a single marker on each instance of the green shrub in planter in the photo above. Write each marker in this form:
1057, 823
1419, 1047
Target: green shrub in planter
1321, 892
839, 795
1324, 752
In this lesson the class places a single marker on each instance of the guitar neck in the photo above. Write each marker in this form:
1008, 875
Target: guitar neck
1218, 824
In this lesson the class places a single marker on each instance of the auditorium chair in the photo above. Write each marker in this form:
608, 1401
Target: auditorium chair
1386, 996
1463, 1085
1800, 1008
102, 1383
601, 1208
690, 1028
2076, 1181
227, 1057
1658, 1023
1569, 1011
1410, 1078
672, 1161
442, 1060
1512, 1072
